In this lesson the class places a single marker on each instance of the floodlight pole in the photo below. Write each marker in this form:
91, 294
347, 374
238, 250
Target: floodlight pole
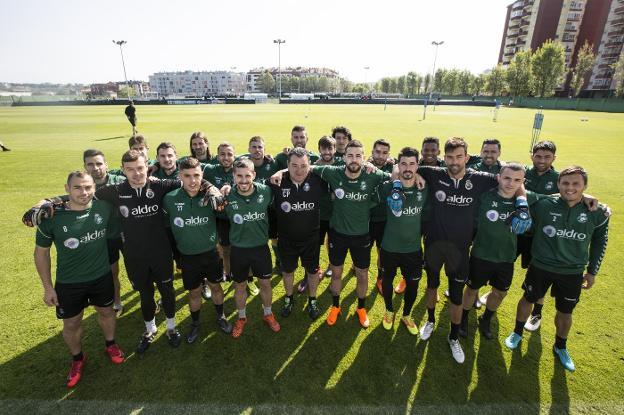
279, 64
120, 43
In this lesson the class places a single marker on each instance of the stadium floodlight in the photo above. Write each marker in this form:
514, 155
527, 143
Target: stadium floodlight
435, 57
120, 43
279, 64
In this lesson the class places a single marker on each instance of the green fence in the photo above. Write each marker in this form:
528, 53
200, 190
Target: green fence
580, 104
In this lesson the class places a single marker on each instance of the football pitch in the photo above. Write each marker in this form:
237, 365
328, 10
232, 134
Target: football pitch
308, 367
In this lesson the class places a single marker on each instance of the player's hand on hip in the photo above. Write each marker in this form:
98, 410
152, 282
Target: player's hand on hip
588, 281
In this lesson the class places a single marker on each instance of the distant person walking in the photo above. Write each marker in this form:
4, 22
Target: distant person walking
130, 112
3, 147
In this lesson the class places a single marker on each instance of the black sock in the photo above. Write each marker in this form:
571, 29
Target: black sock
219, 309
195, 316
560, 343
537, 309
78, 357
109, 342
519, 327
487, 314
361, 302
336, 300
454, 335
431, 315
465, 314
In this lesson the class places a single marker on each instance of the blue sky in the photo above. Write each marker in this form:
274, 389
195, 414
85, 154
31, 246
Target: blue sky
71, 41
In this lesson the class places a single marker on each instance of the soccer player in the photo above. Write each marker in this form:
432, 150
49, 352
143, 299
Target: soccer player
380, 159
249, 227
352, 189
200, 149
95, 164
327, 151
490, 153
297, 202
343, 136
401, 246
494, 248
167, 161
430, 152
454, 192
298, 138
194, 228
130, 112
83, 273
567, 250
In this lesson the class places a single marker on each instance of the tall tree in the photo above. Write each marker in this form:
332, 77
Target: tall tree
438, 80
478, 84
427, 83
584, 63
266, 83
385, 85
393, 86
548, 64
618, 75
520, 74
496, 80
465, 81
401, 87
411, 81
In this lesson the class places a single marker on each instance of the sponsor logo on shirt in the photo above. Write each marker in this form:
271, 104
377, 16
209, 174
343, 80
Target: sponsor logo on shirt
494, 215
124, 211
456, 200
552, 232
73, 243
410, 211
192, 221
248, 217
340, 193
297, 207
148, 210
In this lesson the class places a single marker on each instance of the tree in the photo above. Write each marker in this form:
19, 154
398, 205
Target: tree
520, 74
124, 91
345, 85
618, 75
450, 82
393, 86
465, 80
266, 83
584, 64
427, 83
548, 64
401, 88
496, 80
385, 85
479, 82
438, 80
411, 81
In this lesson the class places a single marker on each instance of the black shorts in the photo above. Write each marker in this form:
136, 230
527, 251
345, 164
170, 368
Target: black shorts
376, 231
75, 297
132, 120
323, 231
114, 247
290, 252
272, 217
223, 231
359, 246
455, 258
410, 263
157, 269
565, 288
524, 250
258, 259
498, 274
197, 267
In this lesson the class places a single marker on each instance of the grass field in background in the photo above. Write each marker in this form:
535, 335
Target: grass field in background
307, 367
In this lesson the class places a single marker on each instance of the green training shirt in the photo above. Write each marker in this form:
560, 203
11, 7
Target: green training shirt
494, 241
352, 198
80, 241
545, 184
193, 226
481, 166
402, 233
249, 223
216, 174
568, 239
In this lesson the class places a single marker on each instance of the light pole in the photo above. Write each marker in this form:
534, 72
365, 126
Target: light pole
120, 43
279, 64
366, 68
435, 57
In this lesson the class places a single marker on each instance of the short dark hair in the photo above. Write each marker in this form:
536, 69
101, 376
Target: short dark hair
298, 128
137, 139
381, 142
326, 142
342, 130
512, 165
545, 145
455, 142
408, 152
130, 156
92, 153
491, 141
256, 138
243, 163
354, 143
573, 170
189, 163
165, 145
299, 152
224, 144
79, 174
200, 134
432, 140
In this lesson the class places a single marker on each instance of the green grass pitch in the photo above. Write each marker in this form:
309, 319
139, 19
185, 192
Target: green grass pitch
305, 368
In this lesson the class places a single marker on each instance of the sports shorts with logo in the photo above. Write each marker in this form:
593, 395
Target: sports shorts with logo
497, 274
75, 297
359, 246
566, 288
308, 250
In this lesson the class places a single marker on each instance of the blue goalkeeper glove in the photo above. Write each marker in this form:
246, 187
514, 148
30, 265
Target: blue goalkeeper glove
520, 219
396, 198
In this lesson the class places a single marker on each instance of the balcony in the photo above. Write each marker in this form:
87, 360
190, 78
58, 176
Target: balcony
614, 43
514, 35
610, 55
616, 32
524, 23
509, 54
514, 26
526, 13
521, 43
573, 19
618, 22
619, 10
569, 29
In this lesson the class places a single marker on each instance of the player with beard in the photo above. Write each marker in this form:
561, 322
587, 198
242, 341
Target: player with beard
298, 138
490, 153
327, 150
200, 148
167, 161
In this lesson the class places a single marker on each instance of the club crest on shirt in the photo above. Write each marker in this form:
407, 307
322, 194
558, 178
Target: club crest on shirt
468, 185
98, 218
582, 218
260, 198
149, 193
306, 187
363, 186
